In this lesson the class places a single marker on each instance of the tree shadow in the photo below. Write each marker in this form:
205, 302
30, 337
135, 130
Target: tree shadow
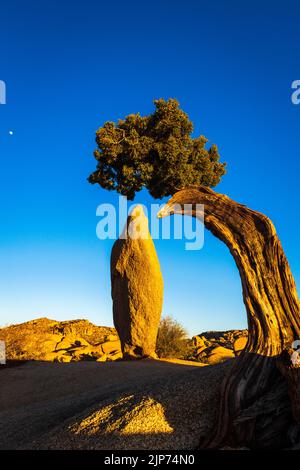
175, 409
172, 412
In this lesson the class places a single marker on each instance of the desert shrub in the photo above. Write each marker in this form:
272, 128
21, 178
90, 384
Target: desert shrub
172, 340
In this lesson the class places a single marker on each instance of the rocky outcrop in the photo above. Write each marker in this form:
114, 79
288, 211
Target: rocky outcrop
67, 341
259, 400
217, 354
137, 288
212, 347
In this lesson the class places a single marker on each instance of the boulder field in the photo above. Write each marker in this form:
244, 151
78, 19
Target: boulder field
80, 340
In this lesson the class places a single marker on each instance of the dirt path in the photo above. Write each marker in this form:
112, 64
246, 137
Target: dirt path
36, 396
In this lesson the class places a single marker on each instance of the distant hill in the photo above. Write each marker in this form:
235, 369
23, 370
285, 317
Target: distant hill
49, 340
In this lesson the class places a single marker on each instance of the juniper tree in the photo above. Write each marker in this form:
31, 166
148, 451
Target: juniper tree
156, 152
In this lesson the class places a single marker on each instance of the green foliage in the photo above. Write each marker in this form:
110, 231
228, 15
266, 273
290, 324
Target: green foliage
172, 339
156, 152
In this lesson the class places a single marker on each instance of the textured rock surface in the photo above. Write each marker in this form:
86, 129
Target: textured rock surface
137, 288
240, 344
215, 354
208, 344
256, 410
68, 341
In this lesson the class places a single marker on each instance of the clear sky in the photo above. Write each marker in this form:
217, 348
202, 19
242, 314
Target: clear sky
71, 65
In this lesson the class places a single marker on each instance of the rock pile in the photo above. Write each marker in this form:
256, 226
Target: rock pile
213, 347
67, 341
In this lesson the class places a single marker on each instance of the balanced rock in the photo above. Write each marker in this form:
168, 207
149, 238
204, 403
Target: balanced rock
137, 287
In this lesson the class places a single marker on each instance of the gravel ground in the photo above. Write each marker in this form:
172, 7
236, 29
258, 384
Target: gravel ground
123, 405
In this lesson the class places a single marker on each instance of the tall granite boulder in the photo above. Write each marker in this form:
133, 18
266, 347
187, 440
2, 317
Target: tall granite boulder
137, 288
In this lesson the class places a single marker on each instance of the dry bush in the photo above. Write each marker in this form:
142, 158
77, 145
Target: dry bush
172, 340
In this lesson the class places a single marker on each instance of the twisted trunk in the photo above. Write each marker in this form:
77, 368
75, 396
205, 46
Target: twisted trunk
260, 399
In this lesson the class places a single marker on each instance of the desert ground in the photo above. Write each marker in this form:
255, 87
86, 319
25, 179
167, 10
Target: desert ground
149, 404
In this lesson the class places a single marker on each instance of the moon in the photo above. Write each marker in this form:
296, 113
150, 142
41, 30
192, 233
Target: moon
11, 133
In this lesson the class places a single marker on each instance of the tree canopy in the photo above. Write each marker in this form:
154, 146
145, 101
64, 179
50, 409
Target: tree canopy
155, 152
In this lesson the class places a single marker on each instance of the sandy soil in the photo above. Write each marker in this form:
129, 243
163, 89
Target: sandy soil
48, 405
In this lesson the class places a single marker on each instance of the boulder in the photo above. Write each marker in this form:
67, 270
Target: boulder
219, 354
198, 342
112, 338
137, 288
70, 343
200, 350
240, 344
90, 352
102, 358
115, 356
111, 346
65, 358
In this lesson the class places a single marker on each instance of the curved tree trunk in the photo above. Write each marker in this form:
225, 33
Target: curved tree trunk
260, 398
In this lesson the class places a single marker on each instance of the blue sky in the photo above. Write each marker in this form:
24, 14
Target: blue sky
71, 65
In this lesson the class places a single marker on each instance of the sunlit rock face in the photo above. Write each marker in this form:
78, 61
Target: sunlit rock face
137, 288
68, 341
212, 347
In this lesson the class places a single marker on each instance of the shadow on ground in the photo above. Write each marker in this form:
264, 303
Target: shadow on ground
119, 405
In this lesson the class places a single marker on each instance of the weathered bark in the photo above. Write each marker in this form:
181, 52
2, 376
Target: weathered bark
255, 408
